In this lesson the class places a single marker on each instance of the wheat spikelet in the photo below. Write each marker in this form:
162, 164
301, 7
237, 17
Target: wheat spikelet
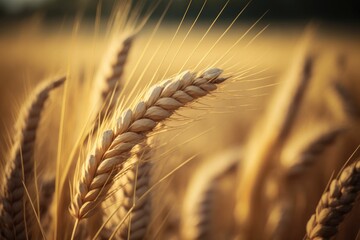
20, 165
135, 182
113, 148
335, 203
197, 206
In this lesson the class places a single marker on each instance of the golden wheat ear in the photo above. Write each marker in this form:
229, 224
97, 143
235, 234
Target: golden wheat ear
110, 78
196, 214
20, 166
112, 150
335, 203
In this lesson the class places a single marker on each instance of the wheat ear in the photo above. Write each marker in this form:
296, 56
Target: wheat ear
113, 148
111, 79
310, 152
335, 203
135, 183
197, 206
20, 165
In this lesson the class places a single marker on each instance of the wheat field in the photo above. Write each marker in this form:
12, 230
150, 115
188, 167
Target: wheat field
134, 128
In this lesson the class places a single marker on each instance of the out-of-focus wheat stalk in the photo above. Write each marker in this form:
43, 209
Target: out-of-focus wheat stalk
20, 168
198, 200
274, 130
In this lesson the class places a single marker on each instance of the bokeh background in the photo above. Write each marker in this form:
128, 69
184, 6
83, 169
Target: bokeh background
281, 10
42, 38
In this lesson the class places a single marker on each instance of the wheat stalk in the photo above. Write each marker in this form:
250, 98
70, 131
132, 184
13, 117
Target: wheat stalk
335, 203
197, 205
21, 164
113, 148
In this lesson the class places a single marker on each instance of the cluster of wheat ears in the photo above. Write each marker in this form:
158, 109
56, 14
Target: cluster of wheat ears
106, 189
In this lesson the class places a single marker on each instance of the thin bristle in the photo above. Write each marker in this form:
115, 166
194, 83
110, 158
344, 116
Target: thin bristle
113, 148
21, 164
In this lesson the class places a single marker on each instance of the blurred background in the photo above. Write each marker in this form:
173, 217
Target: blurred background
42, 38
346, 11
